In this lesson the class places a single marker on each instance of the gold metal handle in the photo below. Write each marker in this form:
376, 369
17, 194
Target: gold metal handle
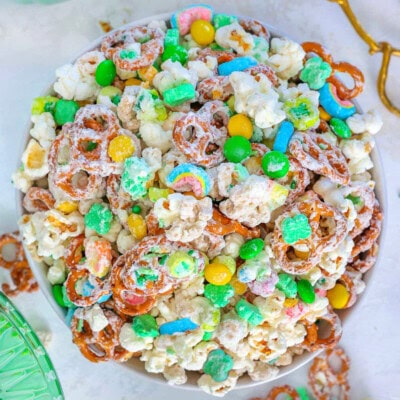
381, 47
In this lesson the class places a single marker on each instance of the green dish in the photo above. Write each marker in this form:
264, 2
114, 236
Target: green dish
26, 372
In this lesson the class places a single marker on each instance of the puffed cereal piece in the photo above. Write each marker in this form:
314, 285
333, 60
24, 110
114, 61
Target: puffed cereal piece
287, 57
175, 375
184, 217
235, 37
251, 202
77, 81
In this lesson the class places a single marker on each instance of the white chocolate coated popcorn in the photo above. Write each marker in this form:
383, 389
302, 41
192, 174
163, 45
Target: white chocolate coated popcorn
185, 217
370, 122
154, 135
218, 389
95, 317
233, 242
203, 69
57, 272
287, 57
175, 375
44, 129
131, 342
235, 37
77, 81
258, 99
34, 160
357, 151
251, 202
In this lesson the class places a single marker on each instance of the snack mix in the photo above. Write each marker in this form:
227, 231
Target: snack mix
201, 194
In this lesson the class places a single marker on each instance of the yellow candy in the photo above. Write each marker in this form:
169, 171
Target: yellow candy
147, 74
217, 274
240, 287
323, 114
137, 226
120, 148
67, 207
290, 302
228, 261
202, 32
240, 125
338, 296
133, 82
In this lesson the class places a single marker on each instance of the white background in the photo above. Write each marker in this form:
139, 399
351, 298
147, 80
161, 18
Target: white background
36, 39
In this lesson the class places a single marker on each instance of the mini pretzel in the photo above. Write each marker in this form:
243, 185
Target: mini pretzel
263, 70
344, 92
22, 278
214, 88
118, 198
153, 227
101, 288
221, 55
317, 243
363, 262
364, 215
196, 147
255, 28
323, 378
114, 45
312, 342
125, 301
369, 236
317, 154
74, 252
11, 239
348, 283
103, 345
222, 225
38, 199
284, 389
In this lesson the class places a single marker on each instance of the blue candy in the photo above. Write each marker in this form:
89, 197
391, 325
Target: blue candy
333, 105
178, 326
285, 132
87, 289
69, 316
237, 64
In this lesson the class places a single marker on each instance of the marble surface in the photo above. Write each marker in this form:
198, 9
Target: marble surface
35, 39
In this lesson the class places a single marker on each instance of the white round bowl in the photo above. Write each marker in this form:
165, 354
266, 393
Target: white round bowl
137, 366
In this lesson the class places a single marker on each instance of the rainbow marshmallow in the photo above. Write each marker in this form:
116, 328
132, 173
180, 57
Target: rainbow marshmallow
188, 176
333, 105
183, 19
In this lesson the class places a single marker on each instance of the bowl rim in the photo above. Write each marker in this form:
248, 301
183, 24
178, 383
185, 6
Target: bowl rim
243, 382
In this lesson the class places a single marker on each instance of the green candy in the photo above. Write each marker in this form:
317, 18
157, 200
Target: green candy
302, 392
237, 148
248, 312
175, 53
99, 218
218, 365
315, 72
340, 128
287, 285
43, 104
105, 73
301, 112
128, 54
219, 295
145, 326
144, 275
65, 110
260, 49
135, 176
251, 249
275, 164
61, 297
207, 336
220, 20
181, 264
179, 94
171, 38
136, 209
295, 228
306, 291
